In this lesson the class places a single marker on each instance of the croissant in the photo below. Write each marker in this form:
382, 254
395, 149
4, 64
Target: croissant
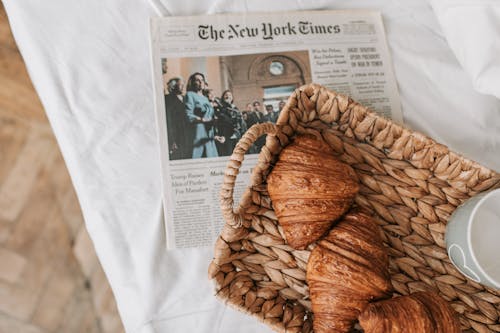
310, 189
348, 269
422, 312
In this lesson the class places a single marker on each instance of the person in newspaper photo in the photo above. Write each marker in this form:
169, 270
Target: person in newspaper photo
230, 122
180, 144
200, 114
270, 113
257, 116
246, 112
276, 113
222, 124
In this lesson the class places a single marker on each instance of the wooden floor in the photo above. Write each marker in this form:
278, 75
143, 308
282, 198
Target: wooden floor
50, 279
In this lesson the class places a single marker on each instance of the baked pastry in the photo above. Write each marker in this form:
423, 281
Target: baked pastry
310, 189
348, 269
422, 312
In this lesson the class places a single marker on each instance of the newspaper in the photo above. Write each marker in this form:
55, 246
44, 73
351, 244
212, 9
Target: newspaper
217, 75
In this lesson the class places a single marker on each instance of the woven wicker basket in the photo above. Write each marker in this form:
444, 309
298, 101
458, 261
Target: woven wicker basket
409, 182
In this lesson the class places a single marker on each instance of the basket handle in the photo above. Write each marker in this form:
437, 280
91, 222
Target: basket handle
232, 216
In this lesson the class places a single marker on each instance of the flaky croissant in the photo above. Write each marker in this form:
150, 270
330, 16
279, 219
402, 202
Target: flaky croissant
421, 312
310, 189
348, 269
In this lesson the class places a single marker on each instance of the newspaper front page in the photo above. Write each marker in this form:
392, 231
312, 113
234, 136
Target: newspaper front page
217, 75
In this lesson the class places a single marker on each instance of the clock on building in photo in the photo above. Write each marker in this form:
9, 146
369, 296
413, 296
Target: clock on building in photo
276, 68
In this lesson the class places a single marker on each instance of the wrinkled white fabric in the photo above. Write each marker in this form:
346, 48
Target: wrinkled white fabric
463, 21
90, 63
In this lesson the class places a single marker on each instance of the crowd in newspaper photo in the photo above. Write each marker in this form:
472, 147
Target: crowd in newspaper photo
207, 120
207, 125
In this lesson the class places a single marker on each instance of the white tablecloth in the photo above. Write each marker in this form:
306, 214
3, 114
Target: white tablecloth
89, 62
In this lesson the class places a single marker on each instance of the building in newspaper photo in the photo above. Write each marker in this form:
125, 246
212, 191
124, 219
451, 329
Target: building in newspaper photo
211, 101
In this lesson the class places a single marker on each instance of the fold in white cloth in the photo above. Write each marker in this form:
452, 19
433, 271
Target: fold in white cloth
472, 29
89, 61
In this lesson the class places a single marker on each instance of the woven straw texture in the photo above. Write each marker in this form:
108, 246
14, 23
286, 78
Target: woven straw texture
409, 182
